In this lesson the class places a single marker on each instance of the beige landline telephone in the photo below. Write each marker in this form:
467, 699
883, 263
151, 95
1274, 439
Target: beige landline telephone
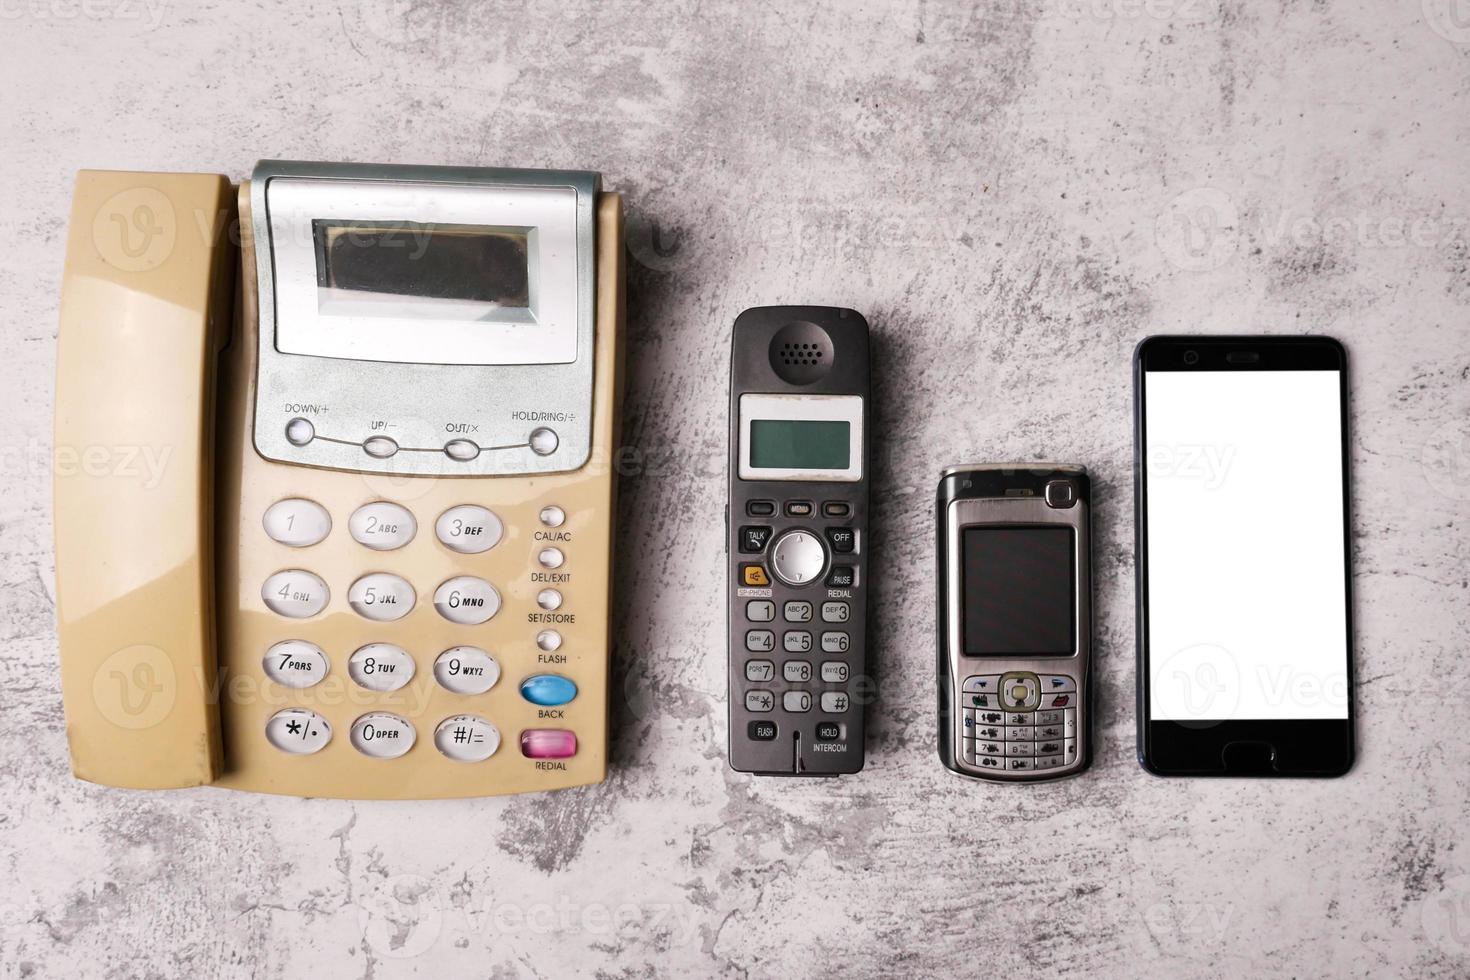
341, 527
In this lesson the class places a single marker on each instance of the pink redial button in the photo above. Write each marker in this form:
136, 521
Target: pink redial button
548, 743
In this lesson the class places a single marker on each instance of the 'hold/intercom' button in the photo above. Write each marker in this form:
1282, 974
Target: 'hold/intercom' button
466, 738
295, 593
828, 731
548, 743
298, 731
381, 597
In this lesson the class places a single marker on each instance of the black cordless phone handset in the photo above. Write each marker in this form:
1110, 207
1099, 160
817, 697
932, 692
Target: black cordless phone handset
797, 540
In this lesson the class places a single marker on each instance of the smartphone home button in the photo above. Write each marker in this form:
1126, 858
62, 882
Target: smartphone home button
1249, 758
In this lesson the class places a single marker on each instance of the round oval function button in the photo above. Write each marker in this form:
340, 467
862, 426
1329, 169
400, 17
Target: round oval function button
548, 690
382, 526
467, 600
461, 449
551, 558
548, 599
383, 736
548, 640
553, 516
299, 432
466, 670
298, 731
381, 597
548, 743
381, 667
798, 557
468, 529
295, 593
295, 663
543, 441
467, 738
296, 522
379, 447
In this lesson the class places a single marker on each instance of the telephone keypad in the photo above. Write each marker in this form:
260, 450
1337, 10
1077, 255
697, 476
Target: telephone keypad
759, 701
466, 670
298, 731
467, 600
797, 702
796, 641
382, 735
760, 671
295, 593
468, 529
760, 610
797, 671
760, 641
381, 597
297, 523
1042, 736
797, 612
382, 526
295, 663
834, 672
381, 667
834, 612
834, 642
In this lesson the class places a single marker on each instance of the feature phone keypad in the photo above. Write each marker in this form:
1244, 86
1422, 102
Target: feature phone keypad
295, 593
795, 584
1020, 721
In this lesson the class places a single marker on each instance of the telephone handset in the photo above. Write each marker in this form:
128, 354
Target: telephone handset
343, 529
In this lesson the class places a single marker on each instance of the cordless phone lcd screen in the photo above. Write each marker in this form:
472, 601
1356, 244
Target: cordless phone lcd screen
800, 444
1018, 586
436, 271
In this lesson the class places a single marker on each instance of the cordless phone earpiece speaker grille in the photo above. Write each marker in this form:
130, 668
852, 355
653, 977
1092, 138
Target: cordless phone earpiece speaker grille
801, 353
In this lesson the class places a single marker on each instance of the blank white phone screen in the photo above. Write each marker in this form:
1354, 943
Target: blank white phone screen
1247, 613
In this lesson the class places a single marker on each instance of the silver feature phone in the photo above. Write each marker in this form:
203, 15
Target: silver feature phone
797, 540
1015, 621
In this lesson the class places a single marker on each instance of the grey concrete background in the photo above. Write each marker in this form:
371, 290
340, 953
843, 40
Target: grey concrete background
1014, 193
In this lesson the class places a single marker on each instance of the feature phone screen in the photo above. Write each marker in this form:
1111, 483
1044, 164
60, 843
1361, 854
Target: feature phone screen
1247, 594
472, 264
1018, 587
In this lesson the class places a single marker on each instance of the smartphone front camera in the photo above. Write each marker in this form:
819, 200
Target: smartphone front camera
1191, 357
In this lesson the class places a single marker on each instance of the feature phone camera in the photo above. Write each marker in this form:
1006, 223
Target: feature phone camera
1191, 357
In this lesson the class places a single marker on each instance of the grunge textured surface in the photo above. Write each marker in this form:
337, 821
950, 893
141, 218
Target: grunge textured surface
1014, 193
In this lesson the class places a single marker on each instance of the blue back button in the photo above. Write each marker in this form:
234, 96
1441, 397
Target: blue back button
548, 690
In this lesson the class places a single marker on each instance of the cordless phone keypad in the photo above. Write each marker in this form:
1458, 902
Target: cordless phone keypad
796, 641
1019, 721
383, 596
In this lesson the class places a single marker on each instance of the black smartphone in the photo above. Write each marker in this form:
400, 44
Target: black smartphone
1014, 577
797, 540
1243, 548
